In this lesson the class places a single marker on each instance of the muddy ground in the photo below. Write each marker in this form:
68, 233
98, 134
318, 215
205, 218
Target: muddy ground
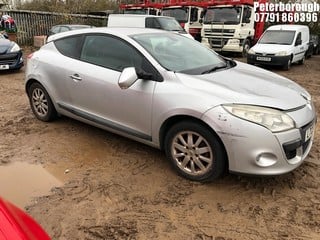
115, 188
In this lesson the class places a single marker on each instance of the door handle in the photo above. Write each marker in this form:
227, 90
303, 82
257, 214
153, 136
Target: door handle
75, 77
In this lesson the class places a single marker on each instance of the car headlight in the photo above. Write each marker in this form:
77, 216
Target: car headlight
274, 120
251, 51
281, 53
15, 48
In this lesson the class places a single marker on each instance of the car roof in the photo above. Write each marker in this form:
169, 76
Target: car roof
71, 25
139, 16
118, 31
287, 27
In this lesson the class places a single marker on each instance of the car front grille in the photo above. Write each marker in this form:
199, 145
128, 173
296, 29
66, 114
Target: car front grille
10, 58
291, 148
265, 54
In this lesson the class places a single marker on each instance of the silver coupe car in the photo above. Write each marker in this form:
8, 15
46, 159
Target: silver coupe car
208, 113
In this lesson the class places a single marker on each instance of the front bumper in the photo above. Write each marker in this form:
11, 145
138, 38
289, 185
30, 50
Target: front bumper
11, 60
255, 150
223, 44
269, 60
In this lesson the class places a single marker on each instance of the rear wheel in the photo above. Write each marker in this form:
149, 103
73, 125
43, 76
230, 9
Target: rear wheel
195, 152
41, 103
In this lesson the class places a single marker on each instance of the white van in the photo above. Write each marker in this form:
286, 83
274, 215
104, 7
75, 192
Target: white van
146, 21
281, 45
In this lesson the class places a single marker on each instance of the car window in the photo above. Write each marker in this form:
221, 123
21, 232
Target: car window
55, 29
64, 29
169, 24
69, 46
194, 15
152, 23
284, 37
298, 37
111, 52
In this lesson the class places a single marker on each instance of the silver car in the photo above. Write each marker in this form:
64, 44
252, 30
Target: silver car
208, 113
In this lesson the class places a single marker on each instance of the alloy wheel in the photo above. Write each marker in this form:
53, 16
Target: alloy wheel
192, 153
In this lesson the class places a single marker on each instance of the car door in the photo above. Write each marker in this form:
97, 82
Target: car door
96, 95
299, 49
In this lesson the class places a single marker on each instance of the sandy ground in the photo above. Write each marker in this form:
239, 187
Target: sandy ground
115, 188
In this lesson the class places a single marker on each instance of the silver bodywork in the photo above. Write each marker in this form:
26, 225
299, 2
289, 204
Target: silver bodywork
91, 94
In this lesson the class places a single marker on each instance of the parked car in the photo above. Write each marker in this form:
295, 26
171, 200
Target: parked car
310, 50
10, 54
65, 27
17, 225
147, 21
314, 39
281, 45
208, 113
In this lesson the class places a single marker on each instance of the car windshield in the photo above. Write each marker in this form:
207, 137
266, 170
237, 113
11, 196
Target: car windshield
181, 14
180, 54
170, 24
226, 15
277, 37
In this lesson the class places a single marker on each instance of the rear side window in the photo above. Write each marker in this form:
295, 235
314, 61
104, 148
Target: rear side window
70, 46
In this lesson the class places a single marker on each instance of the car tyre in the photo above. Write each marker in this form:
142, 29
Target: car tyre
287, 66
195, 151
246, 47
41, 103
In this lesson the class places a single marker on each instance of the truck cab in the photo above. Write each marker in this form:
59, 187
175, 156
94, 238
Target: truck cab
229, 27
188, 17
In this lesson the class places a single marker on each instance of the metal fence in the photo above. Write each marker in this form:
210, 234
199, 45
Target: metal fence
34, 23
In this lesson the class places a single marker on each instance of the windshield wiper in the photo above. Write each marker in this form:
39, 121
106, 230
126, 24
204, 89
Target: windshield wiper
215, 68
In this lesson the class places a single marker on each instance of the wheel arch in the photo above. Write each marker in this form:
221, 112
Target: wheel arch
168, 123
32, 81
43, 84
29, 83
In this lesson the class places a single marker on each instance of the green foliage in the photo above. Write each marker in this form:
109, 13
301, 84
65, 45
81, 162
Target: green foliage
69, 6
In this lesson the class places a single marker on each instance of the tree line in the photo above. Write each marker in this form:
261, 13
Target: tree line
68, 6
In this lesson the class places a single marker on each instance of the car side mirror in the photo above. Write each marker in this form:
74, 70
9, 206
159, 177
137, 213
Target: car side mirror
127, 78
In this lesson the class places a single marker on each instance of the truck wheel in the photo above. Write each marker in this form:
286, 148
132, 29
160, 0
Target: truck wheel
246, 47
195, 152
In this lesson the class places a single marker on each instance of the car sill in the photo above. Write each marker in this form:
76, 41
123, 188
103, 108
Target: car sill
105, 123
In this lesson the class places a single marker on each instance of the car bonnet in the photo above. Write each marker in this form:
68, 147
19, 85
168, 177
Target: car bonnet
5, 44
245, 84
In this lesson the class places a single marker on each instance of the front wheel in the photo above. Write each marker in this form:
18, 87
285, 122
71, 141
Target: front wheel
287, 66
195, 152
246, 47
